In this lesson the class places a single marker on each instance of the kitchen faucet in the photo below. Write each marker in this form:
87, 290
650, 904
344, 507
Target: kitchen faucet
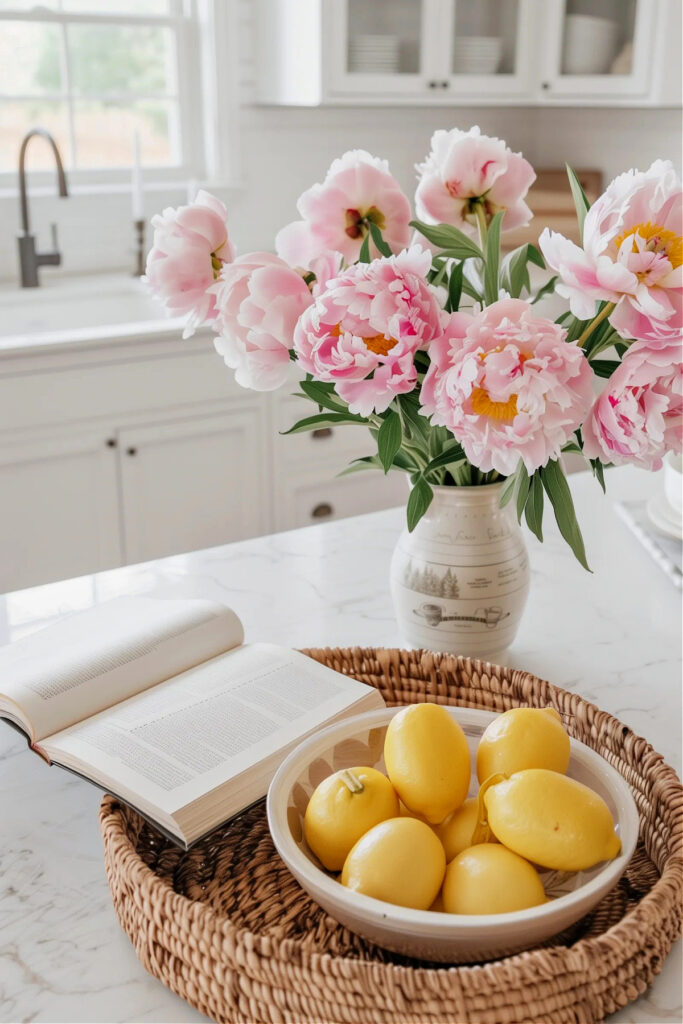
29, 258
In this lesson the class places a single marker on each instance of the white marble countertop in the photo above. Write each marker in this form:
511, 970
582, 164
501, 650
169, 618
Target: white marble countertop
613, 636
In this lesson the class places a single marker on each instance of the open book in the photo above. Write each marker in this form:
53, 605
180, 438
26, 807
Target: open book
159, 701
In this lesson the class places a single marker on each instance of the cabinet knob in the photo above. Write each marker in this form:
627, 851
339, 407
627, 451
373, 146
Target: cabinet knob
545, 85
445, 84
131, 451
432, 84
322, 510
111, 442
321, 433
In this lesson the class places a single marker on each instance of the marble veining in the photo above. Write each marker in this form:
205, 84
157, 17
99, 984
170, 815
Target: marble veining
613, 636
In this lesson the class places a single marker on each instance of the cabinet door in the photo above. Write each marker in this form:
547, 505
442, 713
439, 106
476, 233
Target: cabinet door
382, 49
192, 484
305, 501
58, 509
490, 47
598, 49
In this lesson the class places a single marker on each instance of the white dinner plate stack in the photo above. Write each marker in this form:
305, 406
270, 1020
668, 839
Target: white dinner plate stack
477, 55
374, 54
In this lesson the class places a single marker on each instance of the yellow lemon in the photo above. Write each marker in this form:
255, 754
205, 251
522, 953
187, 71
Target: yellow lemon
457, 831
552, 820
428, 760
488, 879
342, 809
523, 738
399, 861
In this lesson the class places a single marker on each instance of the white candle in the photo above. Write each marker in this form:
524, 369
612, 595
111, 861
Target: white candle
136, 180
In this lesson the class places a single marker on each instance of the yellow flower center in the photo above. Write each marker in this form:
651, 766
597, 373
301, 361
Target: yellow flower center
377, 343
380, 345
657, 239
484, 406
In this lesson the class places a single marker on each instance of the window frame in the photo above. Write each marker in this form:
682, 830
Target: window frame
182, 19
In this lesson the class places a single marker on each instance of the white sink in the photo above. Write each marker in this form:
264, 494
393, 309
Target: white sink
66, 305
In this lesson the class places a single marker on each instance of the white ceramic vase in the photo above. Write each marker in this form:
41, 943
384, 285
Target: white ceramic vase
460, 580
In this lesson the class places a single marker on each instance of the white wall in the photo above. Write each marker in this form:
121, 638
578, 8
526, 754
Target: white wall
283, 150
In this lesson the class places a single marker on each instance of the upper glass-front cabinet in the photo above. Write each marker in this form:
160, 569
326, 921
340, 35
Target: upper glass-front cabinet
591, 52
599, 47
381, 45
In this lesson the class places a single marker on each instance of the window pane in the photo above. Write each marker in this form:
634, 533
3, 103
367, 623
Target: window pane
17, 117
598, 37
115, 6
29, 58
104, 133
120, 59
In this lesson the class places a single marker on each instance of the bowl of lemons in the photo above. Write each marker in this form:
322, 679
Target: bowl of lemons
451, 834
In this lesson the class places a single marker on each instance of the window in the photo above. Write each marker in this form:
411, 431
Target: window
95, 72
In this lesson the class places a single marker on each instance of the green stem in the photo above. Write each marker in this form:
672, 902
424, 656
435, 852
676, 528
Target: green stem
482, 225
602, 315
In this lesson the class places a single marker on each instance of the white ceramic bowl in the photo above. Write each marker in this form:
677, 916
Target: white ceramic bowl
428, 935
590, 44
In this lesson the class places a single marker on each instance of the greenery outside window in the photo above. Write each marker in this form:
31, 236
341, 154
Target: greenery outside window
94, 73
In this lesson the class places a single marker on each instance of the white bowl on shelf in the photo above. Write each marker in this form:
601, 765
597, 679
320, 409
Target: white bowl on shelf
590, 44
428, 935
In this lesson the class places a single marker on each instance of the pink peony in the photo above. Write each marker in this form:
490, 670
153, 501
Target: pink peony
370, 320
259, 300
191, 245
639, 415
358, 189
464, 169
632, 255
507, 385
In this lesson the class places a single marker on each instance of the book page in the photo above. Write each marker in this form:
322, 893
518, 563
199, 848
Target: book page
96, 658
191, 734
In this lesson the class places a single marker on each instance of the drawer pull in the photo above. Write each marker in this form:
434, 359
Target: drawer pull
131, 451
321, 433
322, 510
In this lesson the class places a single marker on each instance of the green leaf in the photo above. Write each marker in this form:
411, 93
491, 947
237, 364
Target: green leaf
418, 427
380, 244
547, 289
604, 367
599, 473
449, 238
557, 488
389, 440
364, 254
533, 509
419, 501
324, 419
440, 274
579, 196
453, 455
492, 259
455, 288
323, 393
523, 484
535, 256
514, 271
508, 490
366, 462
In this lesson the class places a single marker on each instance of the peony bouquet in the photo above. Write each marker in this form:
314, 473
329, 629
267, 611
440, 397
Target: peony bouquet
423, 331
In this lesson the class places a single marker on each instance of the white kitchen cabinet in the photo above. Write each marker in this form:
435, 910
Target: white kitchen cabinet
441, 52
59, 509
192, 483
120, 451
601, 49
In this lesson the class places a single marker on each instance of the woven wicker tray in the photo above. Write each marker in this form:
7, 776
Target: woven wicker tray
226, 926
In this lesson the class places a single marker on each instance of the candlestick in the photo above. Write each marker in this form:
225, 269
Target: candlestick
136, 181
139, 226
